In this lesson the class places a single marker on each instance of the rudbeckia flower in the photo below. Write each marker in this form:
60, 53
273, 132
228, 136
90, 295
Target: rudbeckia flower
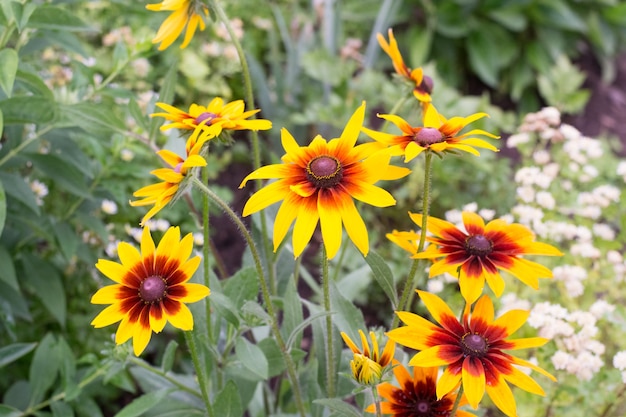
438, 134
472, 351
160, 194
422, 84
318, 182
185, 13
213, 118
368, 364
477, 254
417, 395
151, 288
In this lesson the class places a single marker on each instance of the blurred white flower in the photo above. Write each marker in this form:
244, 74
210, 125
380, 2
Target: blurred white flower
108, 206
40, 190
198, 239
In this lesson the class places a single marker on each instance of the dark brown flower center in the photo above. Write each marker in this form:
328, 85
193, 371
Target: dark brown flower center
324, 171
474, 344
428, 136
426, 85
153, 289
205, 116
478, 245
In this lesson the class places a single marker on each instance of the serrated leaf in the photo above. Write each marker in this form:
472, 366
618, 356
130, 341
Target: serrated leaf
228, 401
3, 200
383, 276
339, 405
48, 286
56, 18
169, 355
144, 403
252, 358
28, 109
8, 68
15, 351
44, 368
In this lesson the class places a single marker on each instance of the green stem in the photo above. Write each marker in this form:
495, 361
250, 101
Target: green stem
405, 299
204, 389
8, 31
394, 110
60, 396
164, 375
338, 265
457, 401
330, 354
14, 151
379, 411
256, 153
269, 305
206, 263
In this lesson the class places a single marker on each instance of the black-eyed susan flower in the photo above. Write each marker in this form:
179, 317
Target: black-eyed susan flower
160, 194
318, 182
472, 351
481, 251
438, 134
417, 395
187, 15
368, 365
213, 118
151, 288
422, 84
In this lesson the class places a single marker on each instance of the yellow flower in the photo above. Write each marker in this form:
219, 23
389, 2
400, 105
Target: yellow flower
215, 117
438, 134
151, 288
472, 350
317, 183
368, 364
185, 13
422, 84
160, 194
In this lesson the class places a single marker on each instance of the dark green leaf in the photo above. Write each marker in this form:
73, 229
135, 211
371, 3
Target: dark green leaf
16, 187
483, 57
33, 83
61, 409
8, 68
47, 284
15, 351
383, 275
28, 109
66, 176
252, 357
558, 14
6, 411
144, 403
228, 401
68, 369
13, 303
44, 368
3, 199
56, 18
67, 239
339, 405
511, 18
168, 356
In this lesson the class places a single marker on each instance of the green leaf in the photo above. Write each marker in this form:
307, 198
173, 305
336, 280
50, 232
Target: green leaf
144, 403
166, 95
15, 351
8, 68
6, 411
93, 118
43, 369
1, 123
616, 14
65, 175
225, 307
67, 239
292, 339
383, 275
47, 284
7, 272
16, 187
292, 311
320, 65
254, 309
228, 401
137, 114
242, 286
252, 357
61, 409
33, 83
3, 200
56, 18
348, 317
511, 18
68, 369
169, 355
339, 405
28, 109
421, 42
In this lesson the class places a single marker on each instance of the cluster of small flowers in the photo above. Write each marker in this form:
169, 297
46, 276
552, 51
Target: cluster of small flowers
40, 190
579, 353
572, 276
619, 362
618, 264
456, 216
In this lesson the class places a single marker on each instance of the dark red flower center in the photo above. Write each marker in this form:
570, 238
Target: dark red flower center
205, 116
324, 171
426, 85
153, 289
428, 136
474, 344
478, 245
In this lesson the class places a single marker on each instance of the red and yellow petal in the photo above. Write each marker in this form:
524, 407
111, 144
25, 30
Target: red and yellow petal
473, 375
111, 314
178, 315
501, 395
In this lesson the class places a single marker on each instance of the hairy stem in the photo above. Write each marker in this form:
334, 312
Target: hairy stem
330, 354
202, 380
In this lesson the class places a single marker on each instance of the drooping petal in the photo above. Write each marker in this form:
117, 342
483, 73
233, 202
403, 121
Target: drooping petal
502, 397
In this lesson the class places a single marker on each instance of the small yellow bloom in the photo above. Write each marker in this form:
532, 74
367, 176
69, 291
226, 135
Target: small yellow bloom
422, 84
368, 364
185, 13
151, 288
